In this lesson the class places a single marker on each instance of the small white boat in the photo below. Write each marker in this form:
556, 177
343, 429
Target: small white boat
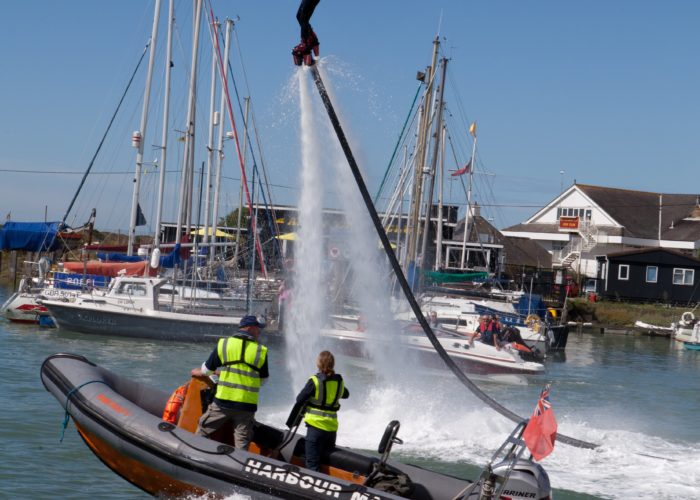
464, 322
478, 360
687, 329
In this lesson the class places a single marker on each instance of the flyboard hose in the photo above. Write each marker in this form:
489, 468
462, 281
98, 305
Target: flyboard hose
402, 279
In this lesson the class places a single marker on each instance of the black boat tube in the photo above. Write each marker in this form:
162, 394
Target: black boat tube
400, 275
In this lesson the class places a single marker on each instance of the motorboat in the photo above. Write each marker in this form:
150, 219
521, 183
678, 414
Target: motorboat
121, 421
478, 360
132, 307
462, 315
687, 329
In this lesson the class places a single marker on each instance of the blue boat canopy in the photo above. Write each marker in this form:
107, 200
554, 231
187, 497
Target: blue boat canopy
169, 260
30, 236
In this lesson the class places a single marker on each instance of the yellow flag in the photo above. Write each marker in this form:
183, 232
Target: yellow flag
472, 129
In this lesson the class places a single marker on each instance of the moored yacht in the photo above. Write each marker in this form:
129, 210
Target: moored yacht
131, 308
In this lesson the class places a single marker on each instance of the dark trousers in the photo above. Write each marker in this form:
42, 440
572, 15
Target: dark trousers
306, 10
318, 444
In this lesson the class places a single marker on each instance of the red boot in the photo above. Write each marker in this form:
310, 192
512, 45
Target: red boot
312, 43
299, 52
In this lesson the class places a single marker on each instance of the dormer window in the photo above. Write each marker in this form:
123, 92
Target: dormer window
581, 213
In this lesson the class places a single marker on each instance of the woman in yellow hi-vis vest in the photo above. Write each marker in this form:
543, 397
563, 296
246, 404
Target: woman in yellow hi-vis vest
242, 365
321, 394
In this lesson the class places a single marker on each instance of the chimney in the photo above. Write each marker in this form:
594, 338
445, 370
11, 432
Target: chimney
476, 210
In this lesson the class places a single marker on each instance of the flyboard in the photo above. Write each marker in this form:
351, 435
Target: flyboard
399, 272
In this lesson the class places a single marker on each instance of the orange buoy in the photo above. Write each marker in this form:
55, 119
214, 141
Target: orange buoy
172, 407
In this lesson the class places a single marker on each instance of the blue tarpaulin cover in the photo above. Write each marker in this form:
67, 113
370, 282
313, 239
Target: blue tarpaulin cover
30, 236
168, 261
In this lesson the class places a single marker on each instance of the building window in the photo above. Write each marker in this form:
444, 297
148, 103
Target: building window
652, 273
623, 272
683, 276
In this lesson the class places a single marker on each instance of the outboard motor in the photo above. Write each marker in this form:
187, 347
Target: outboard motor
508, 475
524, 479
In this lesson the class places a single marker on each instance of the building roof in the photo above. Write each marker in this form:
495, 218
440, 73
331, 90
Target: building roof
638, 211
518, 251
638, 214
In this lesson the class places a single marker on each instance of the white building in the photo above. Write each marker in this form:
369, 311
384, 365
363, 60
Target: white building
589, 221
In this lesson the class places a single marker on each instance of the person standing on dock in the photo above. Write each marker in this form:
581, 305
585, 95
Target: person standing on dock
242, 365
321, 394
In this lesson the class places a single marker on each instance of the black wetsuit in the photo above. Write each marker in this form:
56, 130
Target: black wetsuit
306, 10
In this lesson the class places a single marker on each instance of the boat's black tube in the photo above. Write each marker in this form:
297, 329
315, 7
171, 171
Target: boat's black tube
402, 279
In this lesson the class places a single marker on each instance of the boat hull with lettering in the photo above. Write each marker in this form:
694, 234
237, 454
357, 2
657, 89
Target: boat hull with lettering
120, 420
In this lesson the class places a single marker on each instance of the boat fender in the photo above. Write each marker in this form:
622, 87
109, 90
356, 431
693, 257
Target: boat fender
688, 317
174, 404
533, 322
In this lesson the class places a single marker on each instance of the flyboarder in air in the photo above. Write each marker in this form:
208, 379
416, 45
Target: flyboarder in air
309, 42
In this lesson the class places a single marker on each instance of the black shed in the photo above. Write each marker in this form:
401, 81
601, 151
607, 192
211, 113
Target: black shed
651, 274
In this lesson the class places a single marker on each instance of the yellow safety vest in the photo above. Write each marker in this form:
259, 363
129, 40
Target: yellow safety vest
322, 409
239, 378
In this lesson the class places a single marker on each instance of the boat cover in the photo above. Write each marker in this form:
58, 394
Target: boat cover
169, 260
30, 236
111, 269
531, 304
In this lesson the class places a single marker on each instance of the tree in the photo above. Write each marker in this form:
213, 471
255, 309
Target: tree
231, 219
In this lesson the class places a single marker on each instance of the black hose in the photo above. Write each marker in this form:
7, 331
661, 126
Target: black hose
400, 275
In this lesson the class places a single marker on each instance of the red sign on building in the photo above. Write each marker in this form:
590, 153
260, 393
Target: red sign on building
568, 223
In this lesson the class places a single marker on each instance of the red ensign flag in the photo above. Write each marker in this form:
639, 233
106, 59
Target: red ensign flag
464, 170
541, 431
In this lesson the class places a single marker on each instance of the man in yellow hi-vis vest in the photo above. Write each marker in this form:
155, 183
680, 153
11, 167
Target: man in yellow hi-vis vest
321, 393
242, 365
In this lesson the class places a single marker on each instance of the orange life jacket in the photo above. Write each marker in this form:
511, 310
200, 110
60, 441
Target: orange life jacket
172, 407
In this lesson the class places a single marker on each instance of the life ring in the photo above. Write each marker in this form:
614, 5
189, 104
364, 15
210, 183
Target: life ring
172, 407
688, 317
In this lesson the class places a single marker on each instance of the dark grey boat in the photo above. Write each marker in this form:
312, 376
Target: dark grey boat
121, 422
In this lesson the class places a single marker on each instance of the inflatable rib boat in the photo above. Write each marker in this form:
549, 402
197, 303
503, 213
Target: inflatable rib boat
121, 422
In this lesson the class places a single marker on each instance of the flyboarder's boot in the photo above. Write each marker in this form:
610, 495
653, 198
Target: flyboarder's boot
312, 43
298, 53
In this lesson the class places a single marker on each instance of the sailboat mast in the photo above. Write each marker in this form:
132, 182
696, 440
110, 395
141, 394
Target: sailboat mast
166, 117
438, 244
240, 194
139, 136
433, 166
220, 147
213, 123
189, 134
419, 163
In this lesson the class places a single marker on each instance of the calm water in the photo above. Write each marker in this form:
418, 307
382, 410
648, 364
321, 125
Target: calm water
638, 397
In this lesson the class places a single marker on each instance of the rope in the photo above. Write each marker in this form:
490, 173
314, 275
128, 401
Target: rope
398, 143
99, 147
66, 416
402, 278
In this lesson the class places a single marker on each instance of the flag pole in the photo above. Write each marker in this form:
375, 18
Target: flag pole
472, 131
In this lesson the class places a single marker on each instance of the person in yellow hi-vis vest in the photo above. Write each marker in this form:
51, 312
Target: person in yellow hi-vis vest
322, 393
242, 365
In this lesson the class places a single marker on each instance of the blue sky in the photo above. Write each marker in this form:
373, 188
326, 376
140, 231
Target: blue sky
606, 91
